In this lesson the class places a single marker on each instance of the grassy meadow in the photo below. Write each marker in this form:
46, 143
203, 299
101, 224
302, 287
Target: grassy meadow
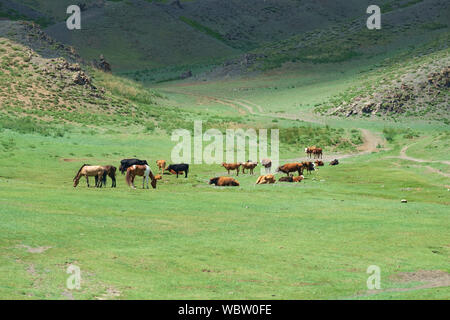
189, 240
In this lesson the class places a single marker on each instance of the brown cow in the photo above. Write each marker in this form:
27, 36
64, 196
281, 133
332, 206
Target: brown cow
317, 152
249, 165
158, 177
309, 166
232, 166
291, 167
291, 179
161, 165
309, 151
318, 163
268, 178
224, 182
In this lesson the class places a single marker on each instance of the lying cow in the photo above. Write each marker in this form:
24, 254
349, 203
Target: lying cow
318, 163
291, 167
161, 165
266, 179
335, 162
224, 182
249, 165
232, 166
291, 179
126, 163
179, 168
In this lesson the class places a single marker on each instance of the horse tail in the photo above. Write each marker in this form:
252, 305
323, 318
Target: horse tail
79, 171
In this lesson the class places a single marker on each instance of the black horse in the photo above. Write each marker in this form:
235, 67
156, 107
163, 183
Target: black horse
126, 163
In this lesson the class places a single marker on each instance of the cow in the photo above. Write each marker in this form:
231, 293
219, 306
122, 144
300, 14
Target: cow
232, 166
178, 168
291, 179
318, 163
309, 166
126, 163
266, 179
266, 163
173, 172
309, 151
249, 165
224, 182
335, 162
291, 167
161, 165
158, 177
317, 152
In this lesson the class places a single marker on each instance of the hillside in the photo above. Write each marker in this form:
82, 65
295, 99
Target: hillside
137, 34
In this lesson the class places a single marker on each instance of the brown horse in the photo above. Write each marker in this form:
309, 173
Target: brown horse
111, 172
90, 171
140, 170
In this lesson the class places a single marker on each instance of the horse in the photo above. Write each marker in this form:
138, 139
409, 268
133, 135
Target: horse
111, 172
140, 170
126, 163
90, 171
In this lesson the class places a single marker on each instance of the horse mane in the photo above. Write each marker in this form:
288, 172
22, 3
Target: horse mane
80, 170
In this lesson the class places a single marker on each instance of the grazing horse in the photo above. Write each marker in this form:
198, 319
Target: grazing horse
224, 182
232, 166
266, 163
249, 165
140, 170
90, 171
161, 165
291, 167
266, 179
111, 172
126, 163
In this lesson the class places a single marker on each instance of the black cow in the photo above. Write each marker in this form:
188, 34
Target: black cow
126, 163
335, 162
183, 167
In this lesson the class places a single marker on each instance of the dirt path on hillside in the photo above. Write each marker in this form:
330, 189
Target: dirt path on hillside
404, 156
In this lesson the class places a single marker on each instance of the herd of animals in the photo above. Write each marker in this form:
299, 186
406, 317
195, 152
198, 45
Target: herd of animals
135, 167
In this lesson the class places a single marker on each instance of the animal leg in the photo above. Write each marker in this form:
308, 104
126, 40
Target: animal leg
87, 181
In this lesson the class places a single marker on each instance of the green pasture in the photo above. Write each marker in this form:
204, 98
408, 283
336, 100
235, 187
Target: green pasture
189, 240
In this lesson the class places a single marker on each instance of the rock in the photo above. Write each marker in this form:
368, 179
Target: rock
404, 201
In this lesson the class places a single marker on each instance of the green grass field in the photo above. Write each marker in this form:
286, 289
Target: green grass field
190, 240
